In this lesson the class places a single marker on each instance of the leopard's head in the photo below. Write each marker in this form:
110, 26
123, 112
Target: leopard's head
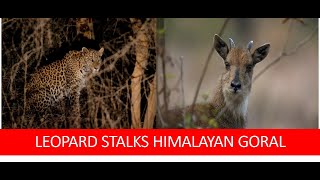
92, 60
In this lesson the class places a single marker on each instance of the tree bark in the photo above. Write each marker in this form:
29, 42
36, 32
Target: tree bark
151, 109
141, 50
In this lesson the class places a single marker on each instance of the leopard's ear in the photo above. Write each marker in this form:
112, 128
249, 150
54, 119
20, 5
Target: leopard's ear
85, 50
101, 51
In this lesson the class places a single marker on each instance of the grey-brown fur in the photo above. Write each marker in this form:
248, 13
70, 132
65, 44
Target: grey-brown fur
230, 101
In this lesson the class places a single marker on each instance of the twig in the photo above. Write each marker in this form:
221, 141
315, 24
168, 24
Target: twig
159, 116
181, 77
8, 105
283, 54
5, 22
162, 53
123, 51
206, 66
303, 42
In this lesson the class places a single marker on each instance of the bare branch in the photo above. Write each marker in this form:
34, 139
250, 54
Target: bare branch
283, 53
122, 52
206, 66
181, 79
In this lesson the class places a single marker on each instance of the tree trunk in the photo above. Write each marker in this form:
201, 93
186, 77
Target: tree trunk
141, 49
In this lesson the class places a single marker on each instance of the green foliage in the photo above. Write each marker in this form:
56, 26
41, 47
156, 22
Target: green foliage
202, 118
188, 120
161, 31
170, 76
205, 96
213, 123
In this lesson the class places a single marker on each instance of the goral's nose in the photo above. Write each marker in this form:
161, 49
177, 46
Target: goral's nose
236, 85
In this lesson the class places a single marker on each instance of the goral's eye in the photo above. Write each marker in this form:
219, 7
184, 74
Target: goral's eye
227, 65
249, 68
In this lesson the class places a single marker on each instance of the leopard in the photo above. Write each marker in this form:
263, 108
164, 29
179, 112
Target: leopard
62, 81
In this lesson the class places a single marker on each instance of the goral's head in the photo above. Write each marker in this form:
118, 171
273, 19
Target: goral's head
239, 64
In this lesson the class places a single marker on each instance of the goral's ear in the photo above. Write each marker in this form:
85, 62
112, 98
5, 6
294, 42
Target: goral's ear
220, 46
85, 50
101, 51
260, 53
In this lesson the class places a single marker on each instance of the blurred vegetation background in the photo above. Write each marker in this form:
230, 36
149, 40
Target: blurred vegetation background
284, 96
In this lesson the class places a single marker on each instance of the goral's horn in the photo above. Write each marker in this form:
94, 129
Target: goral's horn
232, 45
249, 46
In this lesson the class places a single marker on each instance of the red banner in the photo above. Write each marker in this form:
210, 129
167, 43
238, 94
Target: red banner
160, 142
